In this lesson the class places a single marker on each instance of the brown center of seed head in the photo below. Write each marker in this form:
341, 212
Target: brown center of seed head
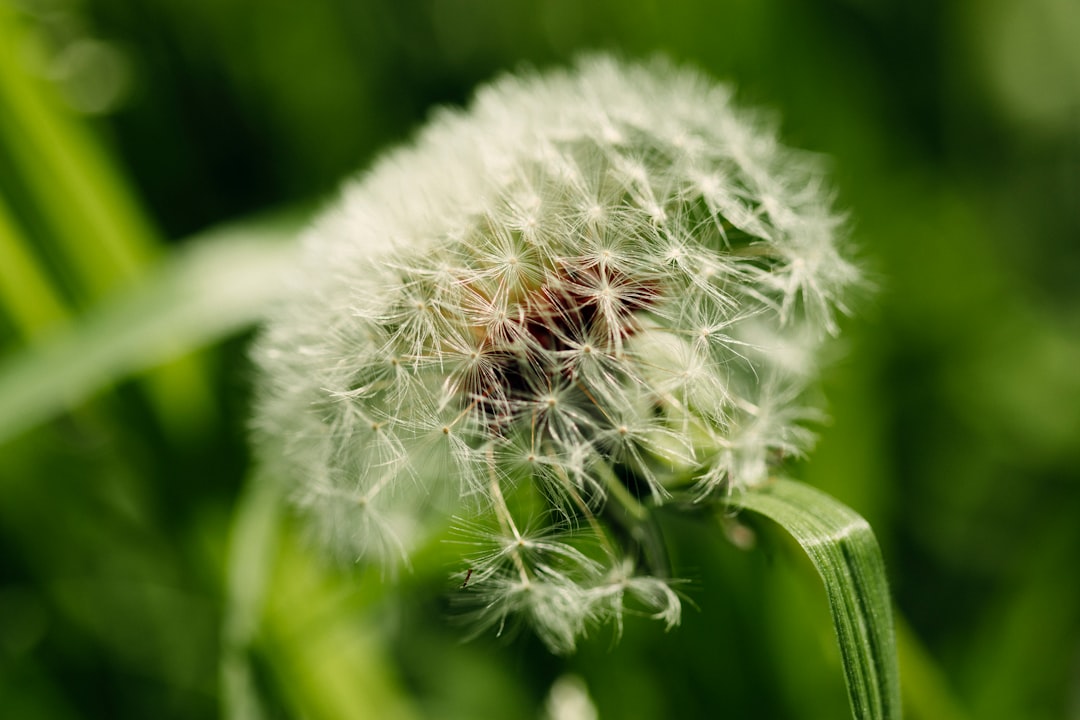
581, 307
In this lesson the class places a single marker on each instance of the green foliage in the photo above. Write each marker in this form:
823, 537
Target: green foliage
956, 407
205, 292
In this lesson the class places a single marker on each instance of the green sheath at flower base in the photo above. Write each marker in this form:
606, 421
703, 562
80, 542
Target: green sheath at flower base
592, 292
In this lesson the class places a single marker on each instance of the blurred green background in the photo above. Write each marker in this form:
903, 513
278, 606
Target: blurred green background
953, 132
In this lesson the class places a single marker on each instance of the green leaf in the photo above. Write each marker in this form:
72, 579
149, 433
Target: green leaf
845, 553
26, 295
218, 285
252, 549
82, 212
91, 215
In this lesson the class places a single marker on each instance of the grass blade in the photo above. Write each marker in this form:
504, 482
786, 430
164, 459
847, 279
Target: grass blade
83, 212
845, 553
26, 295
252, 548
99, 228
216, 287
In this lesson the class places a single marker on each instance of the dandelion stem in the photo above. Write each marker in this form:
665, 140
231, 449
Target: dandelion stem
636, 519
619, 494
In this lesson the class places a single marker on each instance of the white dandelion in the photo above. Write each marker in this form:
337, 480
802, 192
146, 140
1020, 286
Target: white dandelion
593, 292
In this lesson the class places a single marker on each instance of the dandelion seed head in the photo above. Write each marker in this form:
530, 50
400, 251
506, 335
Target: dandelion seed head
597, 287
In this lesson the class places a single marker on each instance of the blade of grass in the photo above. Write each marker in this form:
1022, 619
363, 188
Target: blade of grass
323, 653
252, 548
926, 690
842, 548
25, 291
324, 645
91, 213
217, 286
91, 216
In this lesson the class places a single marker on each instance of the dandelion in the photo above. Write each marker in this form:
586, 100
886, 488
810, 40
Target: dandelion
594, 293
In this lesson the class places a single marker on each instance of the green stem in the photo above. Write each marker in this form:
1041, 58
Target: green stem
636, 519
